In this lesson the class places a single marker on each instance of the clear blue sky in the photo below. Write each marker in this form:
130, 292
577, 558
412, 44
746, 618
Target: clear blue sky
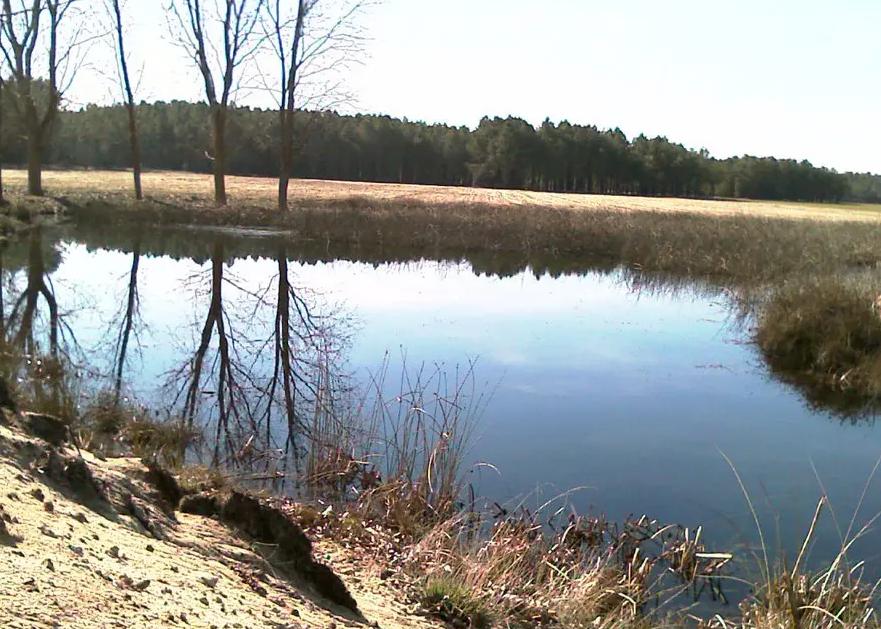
790, 78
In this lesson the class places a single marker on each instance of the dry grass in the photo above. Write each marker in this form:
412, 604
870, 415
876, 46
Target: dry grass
681, 238
824, 334
195, 189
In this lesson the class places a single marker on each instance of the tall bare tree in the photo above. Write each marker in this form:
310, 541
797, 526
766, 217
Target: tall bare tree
30, 34
125, 79
313, 40
234, 44
2, 98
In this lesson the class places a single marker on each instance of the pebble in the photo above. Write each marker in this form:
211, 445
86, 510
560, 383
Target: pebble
209, 581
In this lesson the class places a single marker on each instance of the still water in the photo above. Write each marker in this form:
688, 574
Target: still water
627, 396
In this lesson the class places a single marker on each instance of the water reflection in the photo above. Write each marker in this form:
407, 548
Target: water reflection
127, 322
629, 385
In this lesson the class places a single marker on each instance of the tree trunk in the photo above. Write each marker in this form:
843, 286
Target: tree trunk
136, 151
285, 162
219, 155
2, 198
130, 103
35, 164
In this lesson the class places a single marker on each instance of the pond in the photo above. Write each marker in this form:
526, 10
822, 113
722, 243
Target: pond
621, 392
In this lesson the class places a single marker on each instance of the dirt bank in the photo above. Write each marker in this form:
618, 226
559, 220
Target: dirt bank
86, 542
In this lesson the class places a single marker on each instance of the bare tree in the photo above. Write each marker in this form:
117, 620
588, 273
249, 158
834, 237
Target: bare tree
312, 44
28, 32
2, 98
124, 78
233, 45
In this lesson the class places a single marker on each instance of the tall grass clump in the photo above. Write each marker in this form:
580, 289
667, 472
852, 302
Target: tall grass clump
418, 442
799, 598
521, 569
825, 330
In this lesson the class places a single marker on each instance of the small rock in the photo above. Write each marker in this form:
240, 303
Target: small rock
150, 548
37, 493
30, 585
49, 565
204, 600
113, 551
175, 569
140, 586
76, 550
49, 506
13, 496
209, 581
45, 530
81, 518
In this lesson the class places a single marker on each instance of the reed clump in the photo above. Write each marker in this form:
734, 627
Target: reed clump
164, 441
825, 331
811, 601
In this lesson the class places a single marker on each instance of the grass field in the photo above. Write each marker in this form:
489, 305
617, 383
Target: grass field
195, 189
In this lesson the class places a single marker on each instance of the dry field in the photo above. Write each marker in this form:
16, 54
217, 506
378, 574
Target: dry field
189, 188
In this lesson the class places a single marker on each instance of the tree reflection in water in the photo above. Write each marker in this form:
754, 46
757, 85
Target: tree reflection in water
260, 391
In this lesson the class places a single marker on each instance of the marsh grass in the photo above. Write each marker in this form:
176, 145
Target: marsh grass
398, 450
823, 334
42, 383
740, 247
453, 602
166, 441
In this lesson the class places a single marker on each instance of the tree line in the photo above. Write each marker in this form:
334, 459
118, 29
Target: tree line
304, 39
499, 153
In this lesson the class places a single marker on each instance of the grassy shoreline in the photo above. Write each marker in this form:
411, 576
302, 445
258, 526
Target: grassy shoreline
727, 242
750, 250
